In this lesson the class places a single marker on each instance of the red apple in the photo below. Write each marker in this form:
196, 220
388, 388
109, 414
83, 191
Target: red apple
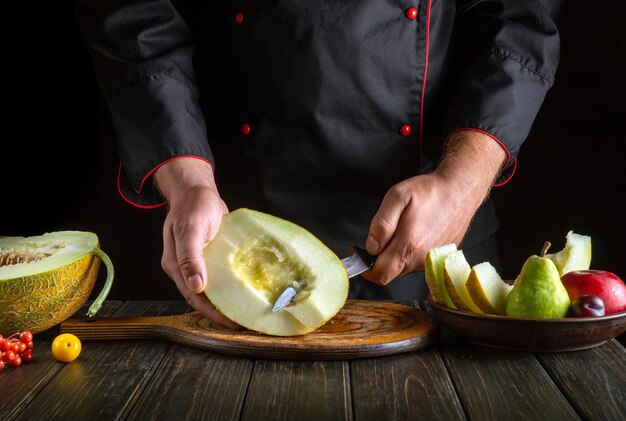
605, 285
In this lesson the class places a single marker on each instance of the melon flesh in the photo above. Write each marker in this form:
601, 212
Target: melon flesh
27, 256
456, 270
251, 261
488, 291
576, 255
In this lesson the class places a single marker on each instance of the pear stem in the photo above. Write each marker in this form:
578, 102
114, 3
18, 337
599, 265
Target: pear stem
545, 248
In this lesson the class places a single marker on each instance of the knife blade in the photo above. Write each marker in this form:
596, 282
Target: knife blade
355, 264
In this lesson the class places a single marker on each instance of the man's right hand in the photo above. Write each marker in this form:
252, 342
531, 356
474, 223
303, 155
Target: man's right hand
195, 214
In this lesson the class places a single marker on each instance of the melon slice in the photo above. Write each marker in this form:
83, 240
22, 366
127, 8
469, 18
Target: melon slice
251, 261
45, 279
456, 270
576, 255
487, 289
433, 272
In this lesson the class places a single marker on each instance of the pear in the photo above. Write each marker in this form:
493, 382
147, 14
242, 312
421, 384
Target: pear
538, 291
456, 270
575, 256
487, 289
433, 272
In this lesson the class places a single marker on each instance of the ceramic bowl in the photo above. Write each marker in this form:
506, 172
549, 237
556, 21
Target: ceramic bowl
526, 334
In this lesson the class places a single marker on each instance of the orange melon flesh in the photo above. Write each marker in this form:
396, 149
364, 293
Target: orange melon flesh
45, 279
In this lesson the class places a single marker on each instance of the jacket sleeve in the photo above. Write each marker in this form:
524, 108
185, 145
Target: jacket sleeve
142, 54
510, 56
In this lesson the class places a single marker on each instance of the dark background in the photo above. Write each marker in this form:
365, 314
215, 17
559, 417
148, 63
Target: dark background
58, 165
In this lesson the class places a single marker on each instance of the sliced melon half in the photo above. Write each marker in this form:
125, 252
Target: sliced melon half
251, 261
45, 279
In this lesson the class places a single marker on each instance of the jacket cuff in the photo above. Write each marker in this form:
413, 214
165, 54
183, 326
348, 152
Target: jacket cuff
503, 103
147, 195
508, 169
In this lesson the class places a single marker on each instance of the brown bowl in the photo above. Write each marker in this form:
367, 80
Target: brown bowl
526, 334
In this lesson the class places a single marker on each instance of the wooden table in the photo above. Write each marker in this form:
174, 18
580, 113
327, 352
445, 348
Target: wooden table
144, 380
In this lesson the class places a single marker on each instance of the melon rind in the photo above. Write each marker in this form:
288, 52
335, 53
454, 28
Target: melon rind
251, 307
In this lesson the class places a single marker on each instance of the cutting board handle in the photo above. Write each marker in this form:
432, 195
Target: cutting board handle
128, 328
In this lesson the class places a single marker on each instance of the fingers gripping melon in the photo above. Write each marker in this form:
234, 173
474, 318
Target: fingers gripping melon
45, 279
255, 256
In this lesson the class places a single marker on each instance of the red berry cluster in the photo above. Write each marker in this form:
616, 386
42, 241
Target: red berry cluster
16, 349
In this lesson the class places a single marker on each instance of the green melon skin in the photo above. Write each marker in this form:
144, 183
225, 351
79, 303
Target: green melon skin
255, 256
36, 296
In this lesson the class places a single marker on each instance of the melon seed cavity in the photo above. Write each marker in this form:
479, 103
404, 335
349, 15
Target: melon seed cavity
33, 253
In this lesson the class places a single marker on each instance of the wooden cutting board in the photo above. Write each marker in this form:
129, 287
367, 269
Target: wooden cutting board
362, 329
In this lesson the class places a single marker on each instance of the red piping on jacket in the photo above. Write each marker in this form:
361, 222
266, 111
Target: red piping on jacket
424, 83
508, 154
148, 175
503, 182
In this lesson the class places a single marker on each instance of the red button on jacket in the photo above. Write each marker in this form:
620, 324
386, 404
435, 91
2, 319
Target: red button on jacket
411, 13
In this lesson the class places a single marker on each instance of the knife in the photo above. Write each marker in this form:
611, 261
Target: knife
357, 263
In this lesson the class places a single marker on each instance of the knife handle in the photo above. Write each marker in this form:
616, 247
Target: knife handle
367, 258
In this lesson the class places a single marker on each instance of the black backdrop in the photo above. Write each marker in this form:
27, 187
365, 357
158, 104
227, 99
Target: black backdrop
59, 168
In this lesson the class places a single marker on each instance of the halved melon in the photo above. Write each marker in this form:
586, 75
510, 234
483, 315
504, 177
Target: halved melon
251, 261
45, 279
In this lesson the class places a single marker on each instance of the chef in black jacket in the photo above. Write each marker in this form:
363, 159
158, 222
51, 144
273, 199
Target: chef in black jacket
383, 123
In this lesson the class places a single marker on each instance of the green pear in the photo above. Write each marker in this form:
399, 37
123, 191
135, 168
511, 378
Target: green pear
538, 291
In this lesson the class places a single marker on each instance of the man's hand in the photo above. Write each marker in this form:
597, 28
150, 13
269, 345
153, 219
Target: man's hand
434, 209
195, 214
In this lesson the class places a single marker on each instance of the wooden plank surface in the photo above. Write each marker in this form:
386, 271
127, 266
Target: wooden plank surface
594, 381
29, 379
411, 386
503, 385
195, 384
451, 380
107, 378
298, 390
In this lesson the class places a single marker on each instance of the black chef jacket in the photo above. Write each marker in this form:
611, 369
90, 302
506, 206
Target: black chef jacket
312, 109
